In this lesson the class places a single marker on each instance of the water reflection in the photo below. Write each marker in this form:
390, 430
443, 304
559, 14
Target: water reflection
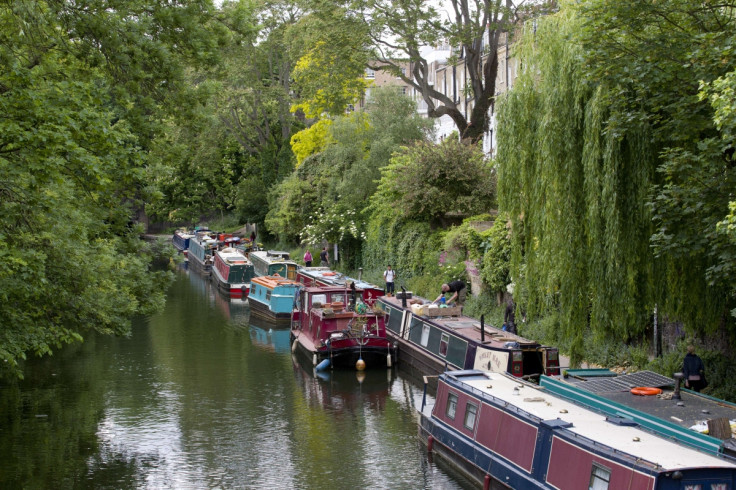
203, 396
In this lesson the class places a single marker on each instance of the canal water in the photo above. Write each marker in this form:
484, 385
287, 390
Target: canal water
202, 396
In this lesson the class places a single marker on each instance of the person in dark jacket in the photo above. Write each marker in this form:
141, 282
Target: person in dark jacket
693, 370
457, 287
509, 317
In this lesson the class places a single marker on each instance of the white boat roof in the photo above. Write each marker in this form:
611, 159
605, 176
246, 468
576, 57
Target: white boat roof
231, 255
593, 425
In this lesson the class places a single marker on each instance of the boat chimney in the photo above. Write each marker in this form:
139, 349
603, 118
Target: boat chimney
482, 329
360, 273
678, 379
403, 297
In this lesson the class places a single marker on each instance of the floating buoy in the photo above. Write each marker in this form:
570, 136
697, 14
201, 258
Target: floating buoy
430, 443
388, 360
645, 391
293, 346
487, 482
323, 365
314, 360
360, 365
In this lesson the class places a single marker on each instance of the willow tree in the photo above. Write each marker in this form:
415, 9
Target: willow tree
613, 170
575, 183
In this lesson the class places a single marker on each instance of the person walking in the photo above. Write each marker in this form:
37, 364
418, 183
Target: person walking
324, 258
693, 370
388, 276
308, 258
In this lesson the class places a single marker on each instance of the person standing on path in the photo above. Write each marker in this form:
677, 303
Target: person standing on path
388, 276
693, 370
324, 258
308, 258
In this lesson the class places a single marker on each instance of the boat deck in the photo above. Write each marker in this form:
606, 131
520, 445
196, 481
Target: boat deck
633, 439
468, 327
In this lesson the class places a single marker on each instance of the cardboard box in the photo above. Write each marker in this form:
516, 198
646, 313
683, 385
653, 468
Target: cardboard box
450, 311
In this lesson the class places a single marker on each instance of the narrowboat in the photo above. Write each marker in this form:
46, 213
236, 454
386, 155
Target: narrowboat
272, 297
233, 272
180, 239
331, 334
433, 340
202, 247
271, 263
504, 432
324, 276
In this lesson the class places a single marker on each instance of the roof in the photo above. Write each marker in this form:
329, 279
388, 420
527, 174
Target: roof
545, 406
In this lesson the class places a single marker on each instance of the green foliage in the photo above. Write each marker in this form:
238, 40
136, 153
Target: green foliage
424, 181
497, 256
670, 64
83, 93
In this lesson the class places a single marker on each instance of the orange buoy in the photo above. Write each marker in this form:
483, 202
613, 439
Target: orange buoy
645, 391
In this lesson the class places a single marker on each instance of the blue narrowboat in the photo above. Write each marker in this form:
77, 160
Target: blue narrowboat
272, 297
201, 252
180, 239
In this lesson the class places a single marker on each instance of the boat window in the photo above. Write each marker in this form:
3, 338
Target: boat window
340, 298
425, 335
471, 410
451, 405
268, 295
443, 344
319, 298
600, 477
719, 486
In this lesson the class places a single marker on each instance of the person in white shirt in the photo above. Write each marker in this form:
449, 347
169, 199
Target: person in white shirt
388, 276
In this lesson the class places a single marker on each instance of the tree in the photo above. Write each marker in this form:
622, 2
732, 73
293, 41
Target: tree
400, 31
605, 149
82, 89
425, 181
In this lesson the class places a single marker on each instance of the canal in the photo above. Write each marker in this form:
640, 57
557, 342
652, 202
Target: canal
201, 396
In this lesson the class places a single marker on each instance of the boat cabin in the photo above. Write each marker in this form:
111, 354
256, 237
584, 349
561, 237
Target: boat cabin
272, 263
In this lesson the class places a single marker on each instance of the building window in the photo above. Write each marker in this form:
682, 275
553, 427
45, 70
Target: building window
403, 90
471, 410
600, 477
425, 335
443, 344
369, 73
451, 405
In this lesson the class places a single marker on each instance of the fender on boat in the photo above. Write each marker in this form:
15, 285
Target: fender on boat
323, 365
